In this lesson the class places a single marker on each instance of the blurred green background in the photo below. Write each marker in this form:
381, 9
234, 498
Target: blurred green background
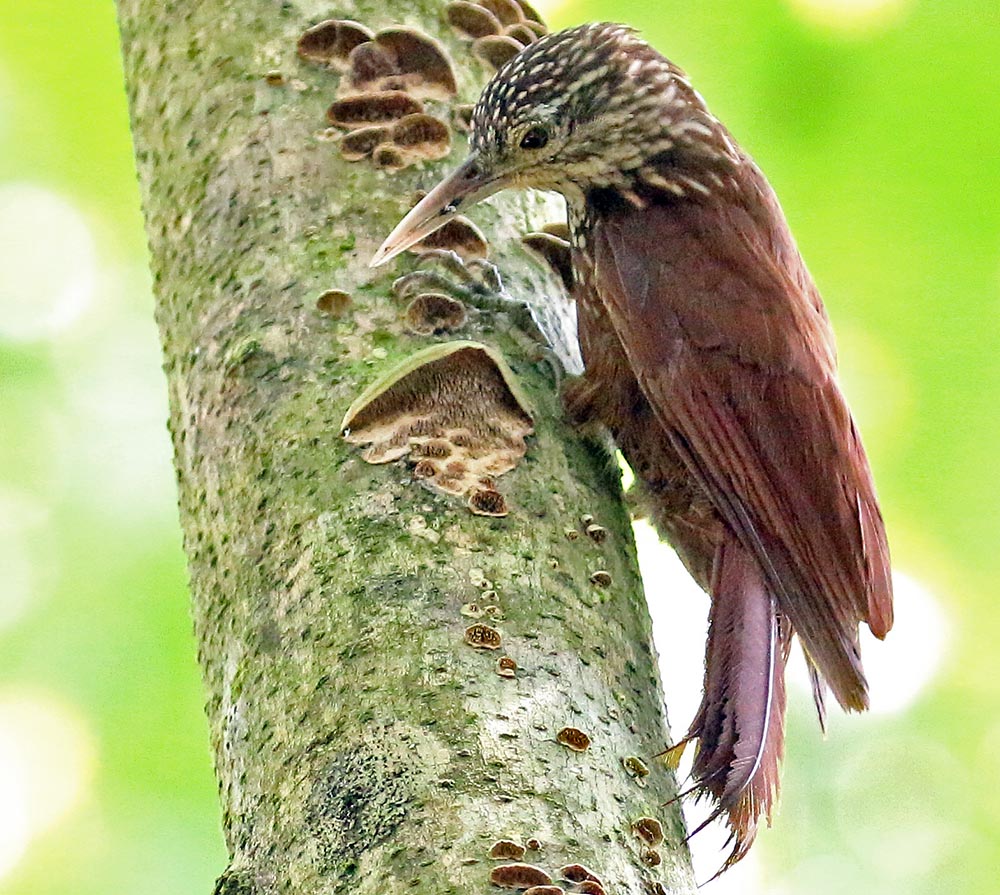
878, 122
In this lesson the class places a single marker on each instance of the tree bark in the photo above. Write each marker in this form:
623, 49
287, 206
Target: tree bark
361, 744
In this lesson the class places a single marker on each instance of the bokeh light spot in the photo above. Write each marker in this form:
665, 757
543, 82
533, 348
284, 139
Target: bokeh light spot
46, 765
48, 264
851, 16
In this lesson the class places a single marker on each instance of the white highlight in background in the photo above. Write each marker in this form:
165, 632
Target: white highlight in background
46, 764
48, 264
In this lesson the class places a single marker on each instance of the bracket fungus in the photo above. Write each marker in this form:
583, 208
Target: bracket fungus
496, 49
508, 12
519, 876
330, 42
480, 636
402, 59
454, 407
471, 20
458, 235
506, 850
334, 302
372, 108
554, 251
573, 738
433, 313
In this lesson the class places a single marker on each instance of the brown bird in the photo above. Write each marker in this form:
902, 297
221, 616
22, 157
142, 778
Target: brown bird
710, 358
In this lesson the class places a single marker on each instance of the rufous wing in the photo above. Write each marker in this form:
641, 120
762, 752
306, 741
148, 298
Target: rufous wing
730, 344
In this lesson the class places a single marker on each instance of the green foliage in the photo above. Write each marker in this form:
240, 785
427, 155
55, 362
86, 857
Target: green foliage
881, 139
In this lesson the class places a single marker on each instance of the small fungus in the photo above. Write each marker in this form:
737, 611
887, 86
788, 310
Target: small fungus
586, 519
506, 850
635, 767
462, 116
333, 302
487, 502
483, 637
472, 20
521, 33
472, 610
495, 49
422, 136
545, 890
459, 394
571, 534
519, 876
372, 68
458, 235
650, 857
372, 108
589, 887
387, 157
507, 667
555, 252
403, 59
274, 78
649, 830
577, 873
433, 313
538, 27
573, 738
508, 12
597, 533
360, 143
425, 469
601, 578
533, 844
559, 229
530, 14
330, 42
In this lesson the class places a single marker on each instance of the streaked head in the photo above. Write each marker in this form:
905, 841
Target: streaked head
583, 108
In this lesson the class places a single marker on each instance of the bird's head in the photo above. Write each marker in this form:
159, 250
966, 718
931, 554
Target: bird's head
591, 107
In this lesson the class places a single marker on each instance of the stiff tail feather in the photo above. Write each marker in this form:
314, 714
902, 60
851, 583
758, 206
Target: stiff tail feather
740, 723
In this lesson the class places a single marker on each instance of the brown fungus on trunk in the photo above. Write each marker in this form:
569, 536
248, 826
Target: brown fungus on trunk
577, 873
521, 33
519, 876
421, 136
487, 502
545, 890
573, 738
333, 302
459, 394
506, 850
330, 42
601, 578
649, 830
458, 235
508, 12
403, 59
361, 143
481, 636
471, 20
589, 887
387, 157
531, 15
507, 667
433, 313
372, 108
555, 252
496, 49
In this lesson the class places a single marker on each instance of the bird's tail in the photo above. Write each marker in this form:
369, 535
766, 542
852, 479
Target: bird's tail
740, 723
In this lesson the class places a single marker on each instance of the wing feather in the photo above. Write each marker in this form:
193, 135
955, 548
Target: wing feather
729, 342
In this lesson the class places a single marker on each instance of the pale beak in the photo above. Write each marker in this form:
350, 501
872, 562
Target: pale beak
463, 188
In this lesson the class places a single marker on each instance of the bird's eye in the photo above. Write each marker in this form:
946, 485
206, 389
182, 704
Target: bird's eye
535, 138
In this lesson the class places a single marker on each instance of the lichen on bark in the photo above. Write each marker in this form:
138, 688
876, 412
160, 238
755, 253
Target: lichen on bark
360, 742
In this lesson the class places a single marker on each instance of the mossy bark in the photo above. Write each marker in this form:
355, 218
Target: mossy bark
360, 743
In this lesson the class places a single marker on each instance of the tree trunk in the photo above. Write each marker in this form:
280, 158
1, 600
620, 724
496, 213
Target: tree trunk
364, 739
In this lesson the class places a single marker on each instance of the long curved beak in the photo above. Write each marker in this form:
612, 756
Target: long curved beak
463, 188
